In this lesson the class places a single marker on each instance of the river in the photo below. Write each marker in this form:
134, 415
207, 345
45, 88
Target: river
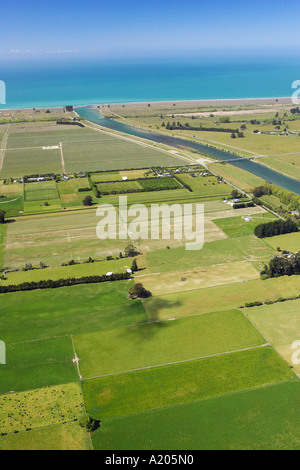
93, 115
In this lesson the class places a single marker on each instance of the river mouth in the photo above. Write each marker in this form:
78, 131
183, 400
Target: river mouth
92, 114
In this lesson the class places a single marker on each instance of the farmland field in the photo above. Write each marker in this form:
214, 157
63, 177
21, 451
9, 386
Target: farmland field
263, 419
189, 365
158, 343
119, 395
280, 323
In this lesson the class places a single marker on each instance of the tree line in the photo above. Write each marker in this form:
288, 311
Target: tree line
51, 284
278, 227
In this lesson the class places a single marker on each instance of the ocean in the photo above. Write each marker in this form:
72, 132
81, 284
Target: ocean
58, 82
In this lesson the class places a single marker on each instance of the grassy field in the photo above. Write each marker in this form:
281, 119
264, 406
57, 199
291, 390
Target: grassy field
198, 278
42, 191
187, 368
280, 323
68, 436
3, 228
38, 364
68, 192
198, 301
68, 310
240, 178
215, 252
158, 343
289, 242
264, 419
135, 392
41, 407
77, 270
238, 226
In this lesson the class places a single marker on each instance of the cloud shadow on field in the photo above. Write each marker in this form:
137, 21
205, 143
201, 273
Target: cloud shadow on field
146, 331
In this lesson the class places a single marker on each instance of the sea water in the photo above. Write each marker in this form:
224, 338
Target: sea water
76, 81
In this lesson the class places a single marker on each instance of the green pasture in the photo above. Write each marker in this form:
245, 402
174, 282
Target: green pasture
69, 436
280, 323
77, 270
242, 179
38, 364
234, 295
157, 343
134, 392
263, 419
41, 191
288, 242
238, 226
68, 310
106, 176
40, 407
216, 252
13, 206
68, 192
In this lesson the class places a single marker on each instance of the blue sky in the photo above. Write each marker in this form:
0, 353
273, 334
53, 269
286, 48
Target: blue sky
129, 28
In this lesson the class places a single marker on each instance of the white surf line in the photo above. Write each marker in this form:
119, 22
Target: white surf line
3, 149
62, 158
179, 362
143, 144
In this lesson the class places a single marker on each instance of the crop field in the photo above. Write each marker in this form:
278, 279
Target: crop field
82, 149
187, 367
206, 185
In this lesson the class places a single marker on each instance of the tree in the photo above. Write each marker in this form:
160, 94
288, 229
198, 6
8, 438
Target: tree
134, 266
130, 251
235, 193
89, 423
2, 217
233, 136
138, 291
87, 201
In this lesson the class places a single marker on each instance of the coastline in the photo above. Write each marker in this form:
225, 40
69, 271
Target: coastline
201, 102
